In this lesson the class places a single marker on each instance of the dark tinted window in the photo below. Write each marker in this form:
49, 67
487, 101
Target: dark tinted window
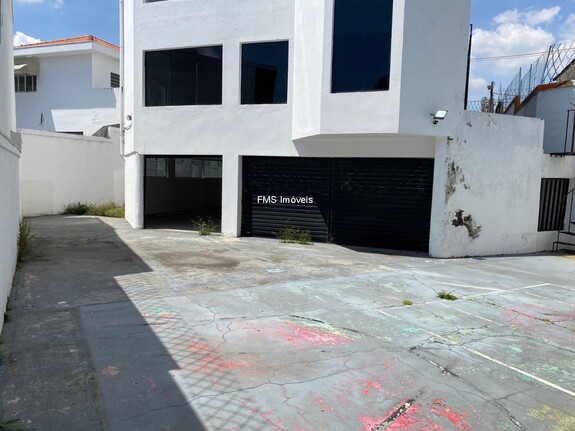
190, 76
361, 45
264, 72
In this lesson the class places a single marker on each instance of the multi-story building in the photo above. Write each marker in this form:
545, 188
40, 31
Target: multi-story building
67, 85
9, 158
341, 117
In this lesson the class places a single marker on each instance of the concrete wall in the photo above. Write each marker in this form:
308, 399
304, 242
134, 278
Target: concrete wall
490, 170
9, 160
552, 105
59, 169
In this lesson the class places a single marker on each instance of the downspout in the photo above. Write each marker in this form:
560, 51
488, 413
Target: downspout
122, 109
468, 65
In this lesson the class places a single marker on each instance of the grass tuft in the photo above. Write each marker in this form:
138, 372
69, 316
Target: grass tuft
448, 296
13, 425
294, 235
109, 209
24, 238
206, 225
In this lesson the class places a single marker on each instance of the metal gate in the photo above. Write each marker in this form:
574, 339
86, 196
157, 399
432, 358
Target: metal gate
356, 201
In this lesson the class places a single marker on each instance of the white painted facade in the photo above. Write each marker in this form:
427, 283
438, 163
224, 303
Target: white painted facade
496, 155
9, 158
74, 92
59, 169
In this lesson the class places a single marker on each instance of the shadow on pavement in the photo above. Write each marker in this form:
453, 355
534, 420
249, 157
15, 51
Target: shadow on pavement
78, 354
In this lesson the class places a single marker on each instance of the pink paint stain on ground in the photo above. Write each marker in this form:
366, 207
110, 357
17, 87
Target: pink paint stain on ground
297, 334
439, 408
206, 361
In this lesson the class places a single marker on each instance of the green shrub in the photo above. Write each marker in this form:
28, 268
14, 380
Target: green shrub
294, 235
407, 302
76, 209
109, 209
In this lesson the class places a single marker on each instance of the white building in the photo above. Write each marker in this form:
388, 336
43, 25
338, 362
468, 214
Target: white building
9, 158
67, 85
243, 106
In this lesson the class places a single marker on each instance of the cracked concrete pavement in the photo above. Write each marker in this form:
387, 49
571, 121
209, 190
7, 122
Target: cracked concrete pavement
115, 329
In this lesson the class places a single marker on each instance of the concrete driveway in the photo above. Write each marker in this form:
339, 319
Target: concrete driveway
115, 329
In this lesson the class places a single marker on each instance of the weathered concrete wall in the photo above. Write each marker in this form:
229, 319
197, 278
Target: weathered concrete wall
487, 186
59, 169
9, 160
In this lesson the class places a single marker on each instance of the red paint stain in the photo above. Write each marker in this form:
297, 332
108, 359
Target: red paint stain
298, 335
269, 421
206, 361
439, 408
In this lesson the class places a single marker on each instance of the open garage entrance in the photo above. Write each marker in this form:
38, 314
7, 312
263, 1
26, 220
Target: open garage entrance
374, 202
182, 192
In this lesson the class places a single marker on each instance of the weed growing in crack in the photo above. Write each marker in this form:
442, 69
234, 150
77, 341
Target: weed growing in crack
448, 296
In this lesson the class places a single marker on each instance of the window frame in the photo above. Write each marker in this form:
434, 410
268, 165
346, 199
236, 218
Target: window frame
288, 75
145, 73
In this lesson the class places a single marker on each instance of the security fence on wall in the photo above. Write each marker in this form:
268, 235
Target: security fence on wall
545, 70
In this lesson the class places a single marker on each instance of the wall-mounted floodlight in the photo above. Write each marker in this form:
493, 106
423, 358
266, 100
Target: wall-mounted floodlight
439, 115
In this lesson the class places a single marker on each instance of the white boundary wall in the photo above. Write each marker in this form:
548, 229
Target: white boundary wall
59, 169
9, 160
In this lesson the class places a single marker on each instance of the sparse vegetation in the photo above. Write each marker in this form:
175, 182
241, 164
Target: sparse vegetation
109, 209
206, 225
407, 302
448, 296
24, 238
13, 424
294, 235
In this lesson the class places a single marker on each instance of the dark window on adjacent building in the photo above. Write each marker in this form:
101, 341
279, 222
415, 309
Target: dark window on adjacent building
552, 204
114, 80
361, 45
25, 83
264, 72
191, 76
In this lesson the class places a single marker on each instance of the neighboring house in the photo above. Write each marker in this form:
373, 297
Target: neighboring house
9, 159
341, 117
67, 85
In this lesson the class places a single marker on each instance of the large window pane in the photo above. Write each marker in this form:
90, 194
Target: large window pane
264, 72
190, 76
361, 45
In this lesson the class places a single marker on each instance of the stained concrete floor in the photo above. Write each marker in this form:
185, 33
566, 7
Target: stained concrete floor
115, 329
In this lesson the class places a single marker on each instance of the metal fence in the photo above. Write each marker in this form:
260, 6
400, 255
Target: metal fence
544, 70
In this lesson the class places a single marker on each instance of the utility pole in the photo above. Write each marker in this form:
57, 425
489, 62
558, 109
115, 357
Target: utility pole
491, 100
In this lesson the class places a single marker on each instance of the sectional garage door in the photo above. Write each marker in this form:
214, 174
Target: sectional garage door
366, 202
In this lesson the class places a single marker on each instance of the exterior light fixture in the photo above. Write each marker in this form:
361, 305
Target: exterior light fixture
439, 115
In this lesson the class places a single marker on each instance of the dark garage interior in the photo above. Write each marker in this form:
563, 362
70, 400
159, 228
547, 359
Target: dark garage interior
182, 191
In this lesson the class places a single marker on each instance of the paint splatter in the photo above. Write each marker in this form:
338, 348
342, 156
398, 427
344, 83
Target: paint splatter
439, 408
111, 371
301, 335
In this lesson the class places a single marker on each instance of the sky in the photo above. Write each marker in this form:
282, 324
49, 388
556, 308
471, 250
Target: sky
501, 28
